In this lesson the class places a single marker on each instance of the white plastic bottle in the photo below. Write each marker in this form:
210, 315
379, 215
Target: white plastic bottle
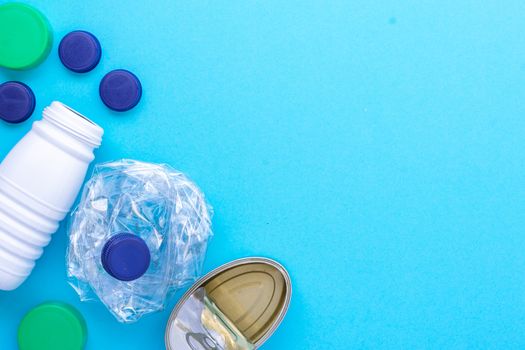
39, 181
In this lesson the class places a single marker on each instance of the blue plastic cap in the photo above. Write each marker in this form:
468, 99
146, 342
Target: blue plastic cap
17, 102
126, 257
120, 90
79, 51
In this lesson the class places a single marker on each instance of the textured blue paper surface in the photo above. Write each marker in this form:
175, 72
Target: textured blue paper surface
375, 148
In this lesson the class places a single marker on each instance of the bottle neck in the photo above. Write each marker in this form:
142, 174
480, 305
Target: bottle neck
73, 123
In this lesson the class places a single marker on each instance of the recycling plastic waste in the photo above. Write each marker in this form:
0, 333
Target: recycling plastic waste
39, 181
139, 233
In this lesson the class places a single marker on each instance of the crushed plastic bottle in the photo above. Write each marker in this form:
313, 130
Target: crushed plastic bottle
139, 234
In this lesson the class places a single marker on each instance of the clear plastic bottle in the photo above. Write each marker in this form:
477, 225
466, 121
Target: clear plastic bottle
139, 233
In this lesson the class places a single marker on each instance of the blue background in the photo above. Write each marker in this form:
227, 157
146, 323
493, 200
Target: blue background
375, 148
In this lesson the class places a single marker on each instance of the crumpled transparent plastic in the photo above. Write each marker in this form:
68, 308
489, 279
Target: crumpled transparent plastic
155, 202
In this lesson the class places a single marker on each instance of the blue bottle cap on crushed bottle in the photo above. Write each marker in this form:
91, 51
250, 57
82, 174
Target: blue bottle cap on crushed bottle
79, 51
17, 102
126, 257
120, 90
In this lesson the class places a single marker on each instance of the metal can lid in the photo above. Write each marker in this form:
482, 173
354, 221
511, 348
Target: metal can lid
17, 102
52, 326
79, 51
25, 35
120, 90
126, 257
253, 293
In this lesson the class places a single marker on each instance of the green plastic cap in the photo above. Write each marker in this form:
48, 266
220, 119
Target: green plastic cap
25, 36
52, 326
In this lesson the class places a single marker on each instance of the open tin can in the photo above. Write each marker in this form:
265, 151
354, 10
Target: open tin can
236, 306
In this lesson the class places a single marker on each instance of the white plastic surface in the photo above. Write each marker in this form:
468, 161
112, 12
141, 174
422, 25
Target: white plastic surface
39, 181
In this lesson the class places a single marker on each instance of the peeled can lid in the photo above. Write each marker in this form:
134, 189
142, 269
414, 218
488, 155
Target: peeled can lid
120, 90
52, 326
17, 102
126, 257
25, 36
251, 294
79, 51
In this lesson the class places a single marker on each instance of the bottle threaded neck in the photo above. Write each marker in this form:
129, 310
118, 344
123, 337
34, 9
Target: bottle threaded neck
74, 123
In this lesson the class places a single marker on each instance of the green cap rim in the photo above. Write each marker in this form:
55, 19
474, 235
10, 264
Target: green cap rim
52, 326
33, 41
